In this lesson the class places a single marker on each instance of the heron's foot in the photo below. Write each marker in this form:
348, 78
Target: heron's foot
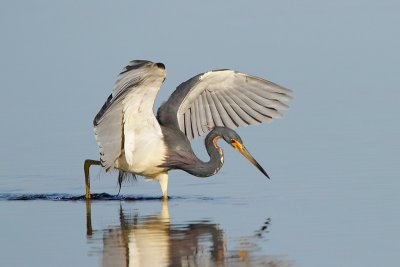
86, 167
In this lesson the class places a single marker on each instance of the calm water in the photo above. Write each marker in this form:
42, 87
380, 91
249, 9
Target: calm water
333, 199
224, 221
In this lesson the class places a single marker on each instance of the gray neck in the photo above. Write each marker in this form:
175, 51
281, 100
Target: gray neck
206, 169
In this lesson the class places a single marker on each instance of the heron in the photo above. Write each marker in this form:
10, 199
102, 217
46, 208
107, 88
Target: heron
135, 141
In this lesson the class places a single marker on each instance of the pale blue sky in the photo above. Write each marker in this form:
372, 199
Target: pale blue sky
59, 61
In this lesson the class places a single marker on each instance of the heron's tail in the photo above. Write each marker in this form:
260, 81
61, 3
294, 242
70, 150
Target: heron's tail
125, 177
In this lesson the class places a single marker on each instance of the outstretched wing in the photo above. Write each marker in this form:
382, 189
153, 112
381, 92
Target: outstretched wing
133, 84
222, 98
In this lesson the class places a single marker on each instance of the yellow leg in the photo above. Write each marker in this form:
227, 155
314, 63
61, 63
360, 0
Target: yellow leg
86, 167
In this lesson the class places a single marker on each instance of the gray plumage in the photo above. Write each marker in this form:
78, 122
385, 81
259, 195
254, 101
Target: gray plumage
109, 122
132, 140
222, 98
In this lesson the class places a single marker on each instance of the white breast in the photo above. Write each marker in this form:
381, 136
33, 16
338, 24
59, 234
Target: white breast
144, 147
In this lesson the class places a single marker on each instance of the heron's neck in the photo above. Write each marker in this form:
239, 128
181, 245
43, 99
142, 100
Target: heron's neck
205, 169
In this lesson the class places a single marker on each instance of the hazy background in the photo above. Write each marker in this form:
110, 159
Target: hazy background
335, 153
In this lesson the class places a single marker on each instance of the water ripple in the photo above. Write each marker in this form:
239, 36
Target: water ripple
95, 197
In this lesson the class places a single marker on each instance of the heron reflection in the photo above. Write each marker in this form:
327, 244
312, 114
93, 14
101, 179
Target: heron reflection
154, 241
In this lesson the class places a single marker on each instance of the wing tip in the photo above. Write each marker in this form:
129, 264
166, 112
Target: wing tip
135, 64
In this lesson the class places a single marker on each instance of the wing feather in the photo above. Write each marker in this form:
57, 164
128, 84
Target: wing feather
182, 126
197, 117
237, 106
228, 104
257, 104
207, 109
110, 124
223, 98
188, 125
214, 112
244, 104
194, 122
221, 110
257, 108
269, 102
202, 114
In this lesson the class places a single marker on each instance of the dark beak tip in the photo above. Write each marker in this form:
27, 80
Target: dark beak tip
245, 153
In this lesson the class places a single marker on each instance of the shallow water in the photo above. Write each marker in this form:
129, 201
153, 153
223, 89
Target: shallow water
129, 230
336, 223
332, 201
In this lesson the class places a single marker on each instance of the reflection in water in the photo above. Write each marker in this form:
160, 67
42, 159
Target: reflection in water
154, 241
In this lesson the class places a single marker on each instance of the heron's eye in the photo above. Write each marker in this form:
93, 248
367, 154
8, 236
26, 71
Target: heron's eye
236, 144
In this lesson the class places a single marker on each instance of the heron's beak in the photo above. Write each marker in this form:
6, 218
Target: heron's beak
242, 150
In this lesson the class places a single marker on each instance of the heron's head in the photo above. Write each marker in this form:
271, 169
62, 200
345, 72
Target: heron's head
232, 138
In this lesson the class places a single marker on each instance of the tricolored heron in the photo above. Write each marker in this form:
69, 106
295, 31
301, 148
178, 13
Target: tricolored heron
135, 141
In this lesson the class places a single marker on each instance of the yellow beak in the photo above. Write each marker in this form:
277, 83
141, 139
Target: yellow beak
242, 150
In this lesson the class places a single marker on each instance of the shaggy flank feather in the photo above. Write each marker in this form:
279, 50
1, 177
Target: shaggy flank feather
123, 177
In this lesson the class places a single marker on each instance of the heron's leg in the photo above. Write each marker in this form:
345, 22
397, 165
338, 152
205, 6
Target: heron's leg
163, 180
86, 166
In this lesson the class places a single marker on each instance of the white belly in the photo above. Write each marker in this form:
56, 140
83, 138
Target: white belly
144, 147
148, 153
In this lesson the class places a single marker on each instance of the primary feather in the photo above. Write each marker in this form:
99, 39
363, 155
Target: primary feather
116, 123
222, 98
